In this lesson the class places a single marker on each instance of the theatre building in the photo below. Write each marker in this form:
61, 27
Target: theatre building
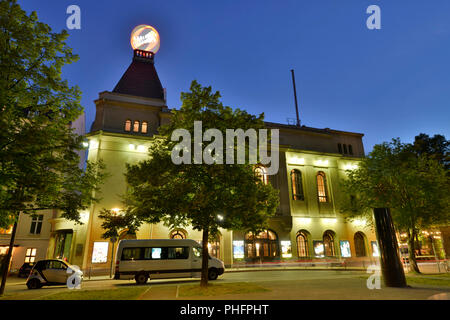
308, 225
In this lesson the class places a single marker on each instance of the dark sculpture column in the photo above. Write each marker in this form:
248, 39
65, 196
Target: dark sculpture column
391, 266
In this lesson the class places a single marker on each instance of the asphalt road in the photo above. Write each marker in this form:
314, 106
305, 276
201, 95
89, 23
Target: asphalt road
284, 284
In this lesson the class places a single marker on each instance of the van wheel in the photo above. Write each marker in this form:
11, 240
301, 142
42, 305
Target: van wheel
141, 278
212, 274
34, 284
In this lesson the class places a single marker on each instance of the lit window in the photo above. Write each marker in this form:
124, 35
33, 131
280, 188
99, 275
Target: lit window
297, 185
302, 244
328, 243
30, 255
144, 127
261, 174
322, 187
36, 224
6, 231
136, 126
128, 125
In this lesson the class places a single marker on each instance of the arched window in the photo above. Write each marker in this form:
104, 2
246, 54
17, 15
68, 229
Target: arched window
177, 234
136, 126
360, 246
322, 187
297, 185
302, 244
261, 174
128, 125
328, 243
264, 245
144, 126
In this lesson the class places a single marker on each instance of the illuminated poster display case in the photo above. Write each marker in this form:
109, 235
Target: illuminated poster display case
100, 252
319, 251
238, 249
345, 249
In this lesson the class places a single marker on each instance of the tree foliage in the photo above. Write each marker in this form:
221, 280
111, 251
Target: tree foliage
207, 197
39, 152
414, 185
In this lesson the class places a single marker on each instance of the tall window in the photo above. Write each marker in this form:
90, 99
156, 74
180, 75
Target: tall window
345, 149
36, 224
360, 246
302, 244
322, 187
261, 174
350, 149
144, 126
128, 125
136, 126
340, 148
328, 243
297, 185
30, 255
177, 234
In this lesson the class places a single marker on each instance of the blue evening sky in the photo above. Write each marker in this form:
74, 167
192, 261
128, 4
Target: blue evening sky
393, 82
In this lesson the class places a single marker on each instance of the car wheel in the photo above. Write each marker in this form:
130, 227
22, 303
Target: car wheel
141, 278
34, 284
212, 274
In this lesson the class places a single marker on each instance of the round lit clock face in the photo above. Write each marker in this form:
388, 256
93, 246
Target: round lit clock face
145, 37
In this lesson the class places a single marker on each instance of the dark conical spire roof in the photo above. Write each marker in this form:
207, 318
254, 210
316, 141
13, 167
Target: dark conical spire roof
141, 78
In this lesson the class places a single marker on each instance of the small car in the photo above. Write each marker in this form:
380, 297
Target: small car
25, 270
50, 273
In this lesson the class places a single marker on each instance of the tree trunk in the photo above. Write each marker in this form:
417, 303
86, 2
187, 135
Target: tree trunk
205, 258
7, 261
412, 251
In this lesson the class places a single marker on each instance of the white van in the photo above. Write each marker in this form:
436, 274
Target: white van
160, 259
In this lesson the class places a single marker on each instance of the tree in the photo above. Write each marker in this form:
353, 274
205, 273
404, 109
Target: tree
39, 162
206, 196
416, 188
437, 147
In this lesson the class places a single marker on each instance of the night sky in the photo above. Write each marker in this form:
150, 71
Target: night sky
393, 82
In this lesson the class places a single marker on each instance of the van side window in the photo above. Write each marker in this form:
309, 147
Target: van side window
197, 251
178, 253
131, 254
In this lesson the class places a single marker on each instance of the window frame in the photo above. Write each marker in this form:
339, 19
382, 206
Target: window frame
144, 124
36, 224
297, 184
127, 127
138, 126
322, 195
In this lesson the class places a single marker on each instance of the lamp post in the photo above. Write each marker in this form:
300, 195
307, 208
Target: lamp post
391, 266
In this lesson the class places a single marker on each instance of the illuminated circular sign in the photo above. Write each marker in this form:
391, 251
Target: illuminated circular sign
145, 37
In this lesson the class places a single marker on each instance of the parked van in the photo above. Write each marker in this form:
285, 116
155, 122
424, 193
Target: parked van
161, 259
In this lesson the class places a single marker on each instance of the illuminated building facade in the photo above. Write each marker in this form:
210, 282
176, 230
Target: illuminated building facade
307, 225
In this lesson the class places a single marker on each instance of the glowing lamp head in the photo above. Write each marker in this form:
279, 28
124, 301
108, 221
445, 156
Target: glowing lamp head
145, 37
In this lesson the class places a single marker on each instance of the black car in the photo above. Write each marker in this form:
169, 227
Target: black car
25, 270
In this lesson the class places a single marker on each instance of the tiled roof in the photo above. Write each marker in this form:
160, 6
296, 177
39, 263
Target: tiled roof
141, 79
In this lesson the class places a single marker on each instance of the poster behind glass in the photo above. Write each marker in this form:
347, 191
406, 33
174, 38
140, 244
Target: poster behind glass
318, 248
100, 252
345, 249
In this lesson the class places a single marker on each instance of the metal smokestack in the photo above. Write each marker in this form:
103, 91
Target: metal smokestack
295, 97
